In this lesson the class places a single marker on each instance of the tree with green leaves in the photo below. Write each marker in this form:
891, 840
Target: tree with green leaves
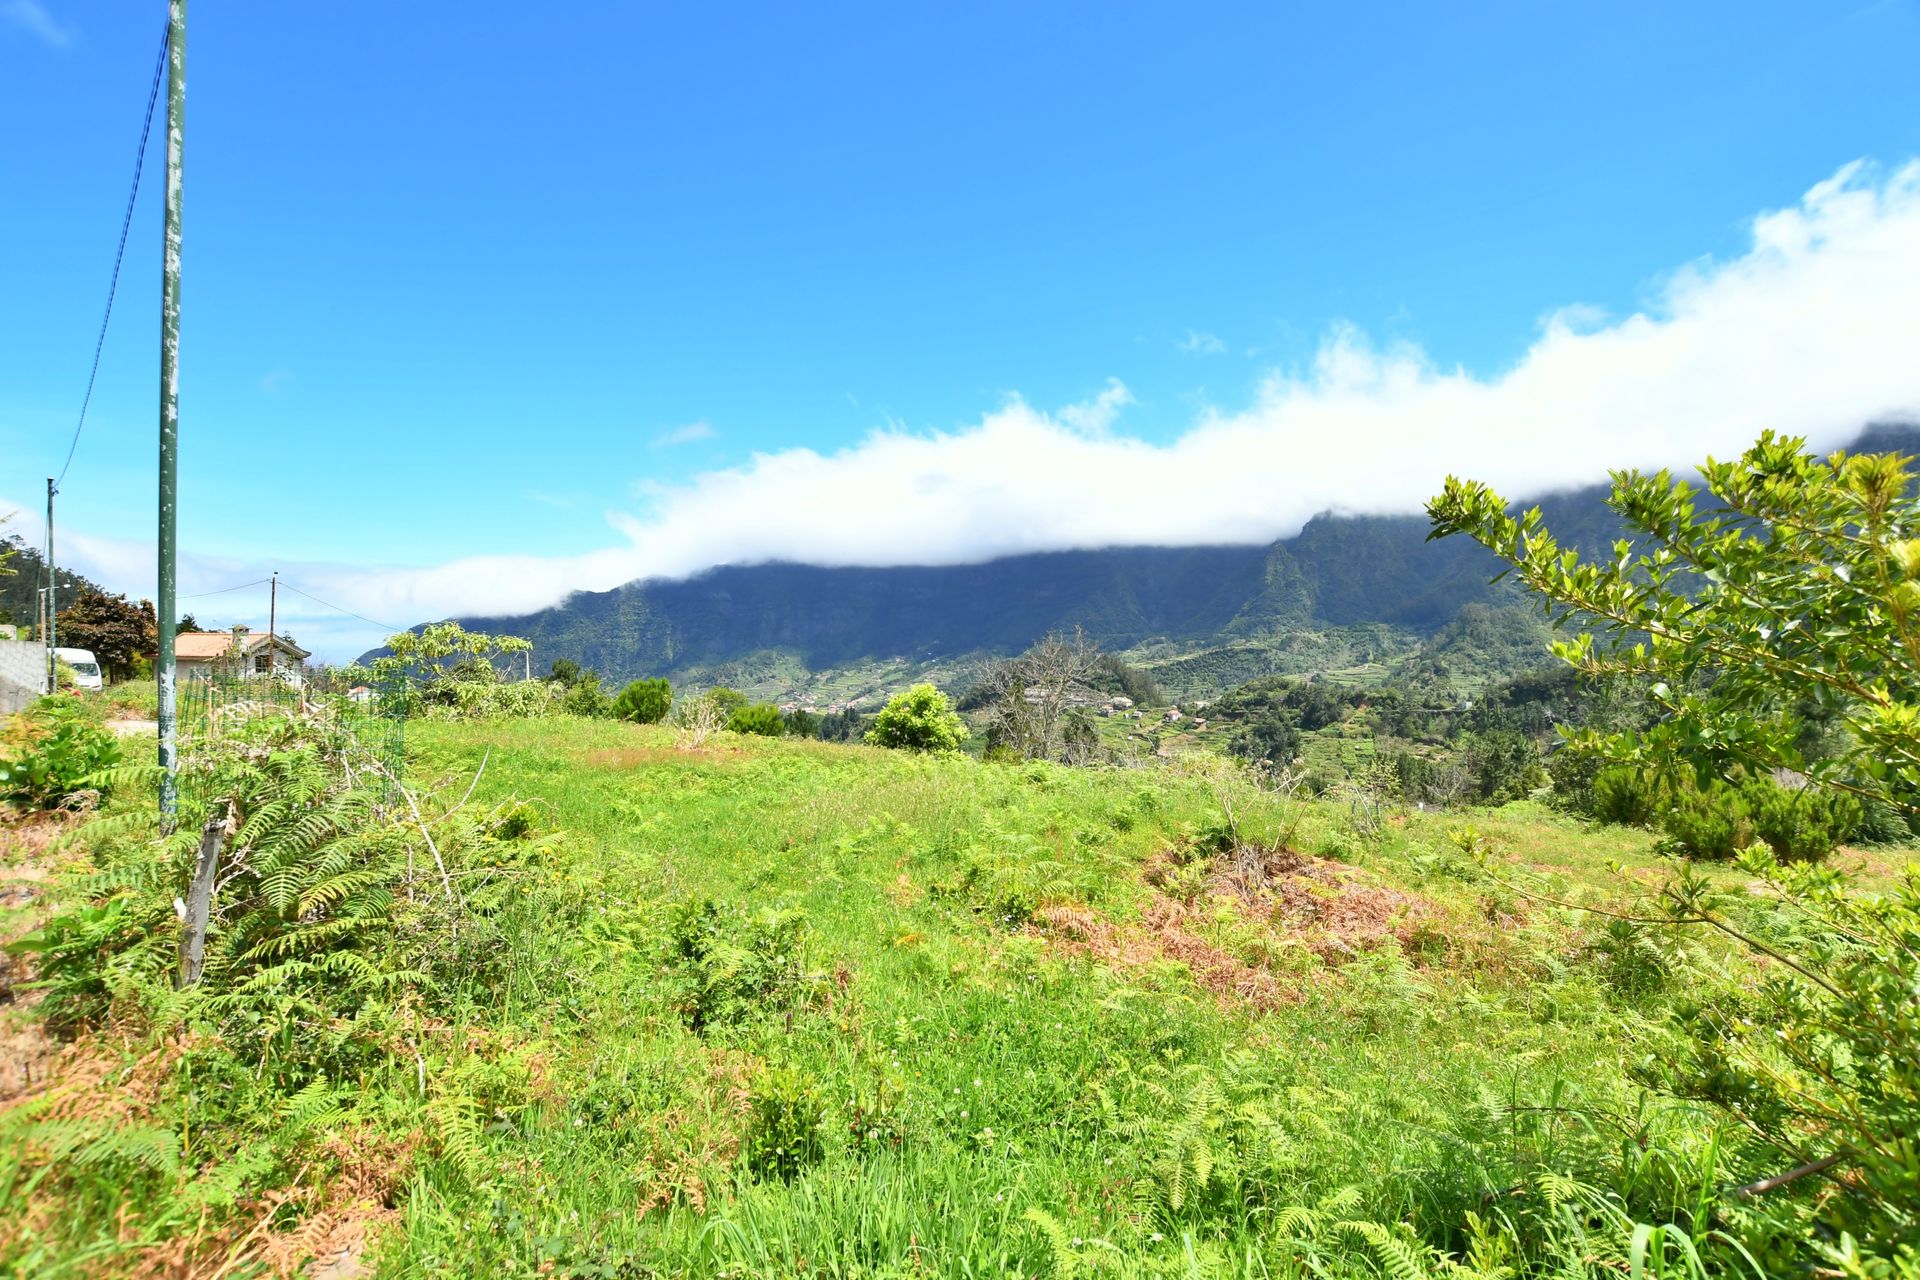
762, 718
585, 697
643, 701
443, 665
1786, 582
114, 628
921, 719
844, 725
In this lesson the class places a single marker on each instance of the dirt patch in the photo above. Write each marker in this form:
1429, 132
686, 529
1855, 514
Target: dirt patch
1161, 935
337, 1233
1335, 910
1292, 901
27, 840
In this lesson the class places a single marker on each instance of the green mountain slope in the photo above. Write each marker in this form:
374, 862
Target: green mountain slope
1347, 592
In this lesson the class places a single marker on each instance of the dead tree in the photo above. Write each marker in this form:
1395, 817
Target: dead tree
1034, 699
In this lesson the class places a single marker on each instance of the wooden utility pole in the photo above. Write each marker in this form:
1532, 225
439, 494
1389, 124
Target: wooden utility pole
165, 606
273, 616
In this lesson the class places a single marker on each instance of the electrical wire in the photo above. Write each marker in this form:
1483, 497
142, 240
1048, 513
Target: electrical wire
337, 609
126, 223
261, 582
257, 582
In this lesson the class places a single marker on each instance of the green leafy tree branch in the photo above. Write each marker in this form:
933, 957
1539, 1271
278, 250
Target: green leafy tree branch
1788, 583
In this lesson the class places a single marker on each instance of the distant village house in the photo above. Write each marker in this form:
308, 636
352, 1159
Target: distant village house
237, 653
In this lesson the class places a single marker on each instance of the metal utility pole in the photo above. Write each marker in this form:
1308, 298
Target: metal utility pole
273, 612
165, 606
53, 579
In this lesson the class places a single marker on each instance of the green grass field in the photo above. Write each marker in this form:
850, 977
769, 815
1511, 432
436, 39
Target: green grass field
970, 1065
779, 1008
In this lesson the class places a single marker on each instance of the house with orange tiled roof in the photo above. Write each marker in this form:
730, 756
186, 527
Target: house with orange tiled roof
239, 652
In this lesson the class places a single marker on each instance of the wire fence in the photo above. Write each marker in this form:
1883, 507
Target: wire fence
209, 707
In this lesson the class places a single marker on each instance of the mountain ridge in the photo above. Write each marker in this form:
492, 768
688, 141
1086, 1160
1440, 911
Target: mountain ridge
779, 624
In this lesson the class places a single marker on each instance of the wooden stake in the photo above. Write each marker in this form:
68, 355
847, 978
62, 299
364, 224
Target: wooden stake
199, 904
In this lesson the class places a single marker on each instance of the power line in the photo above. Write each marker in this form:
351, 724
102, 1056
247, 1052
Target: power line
126, 222
257, 582
336, 608
261, 582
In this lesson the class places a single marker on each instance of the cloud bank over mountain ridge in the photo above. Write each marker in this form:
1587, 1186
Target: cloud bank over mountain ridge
1809, 331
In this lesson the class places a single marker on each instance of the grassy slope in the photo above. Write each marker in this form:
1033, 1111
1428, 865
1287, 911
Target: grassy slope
972, 1071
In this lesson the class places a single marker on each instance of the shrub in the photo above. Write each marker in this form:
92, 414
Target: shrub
585, 696
762, 718
1710, 822
1575, 774
1800, 824
1626, 796
1822, 1062
1881, 823
1630, 959
726, 966
50, 753
784, 1129
921, 719
644, 702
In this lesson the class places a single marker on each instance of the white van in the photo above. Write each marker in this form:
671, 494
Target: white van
86, 671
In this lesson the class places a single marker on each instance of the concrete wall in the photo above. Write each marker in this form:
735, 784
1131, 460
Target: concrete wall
23, 673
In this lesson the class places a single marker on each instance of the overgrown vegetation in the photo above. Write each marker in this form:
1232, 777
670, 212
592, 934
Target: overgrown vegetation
1780, 631
706, 999
54, 754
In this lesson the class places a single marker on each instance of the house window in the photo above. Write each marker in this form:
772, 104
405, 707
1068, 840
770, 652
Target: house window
263, 663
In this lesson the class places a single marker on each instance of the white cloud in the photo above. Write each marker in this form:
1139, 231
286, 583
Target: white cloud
32, 17
1810, 331
1096, 417
1201, 344
683, 435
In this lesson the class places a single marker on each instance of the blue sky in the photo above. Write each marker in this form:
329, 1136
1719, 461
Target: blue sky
497, 281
